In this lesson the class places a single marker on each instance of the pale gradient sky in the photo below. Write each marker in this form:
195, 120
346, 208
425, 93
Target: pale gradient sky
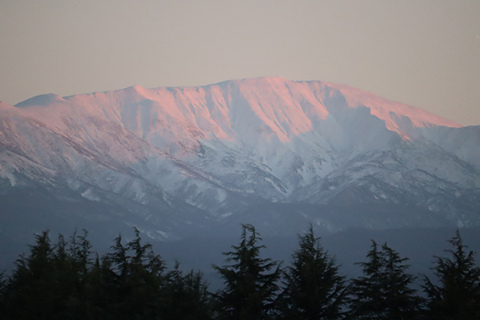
425, 53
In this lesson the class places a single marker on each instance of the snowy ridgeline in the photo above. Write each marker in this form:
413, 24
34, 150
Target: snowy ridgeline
183, 161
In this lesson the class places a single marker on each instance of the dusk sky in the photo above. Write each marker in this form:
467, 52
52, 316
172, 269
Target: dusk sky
425, 53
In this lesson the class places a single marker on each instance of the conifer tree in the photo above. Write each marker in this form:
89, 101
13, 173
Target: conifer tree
136, 279
186, 296
457, 294
383, 292
31, 282
62, 281
100, 290
69, 275
49, 281
250, 285
313, 288
79, 251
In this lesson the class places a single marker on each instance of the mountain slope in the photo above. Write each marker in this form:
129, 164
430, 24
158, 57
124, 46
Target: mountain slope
179, 161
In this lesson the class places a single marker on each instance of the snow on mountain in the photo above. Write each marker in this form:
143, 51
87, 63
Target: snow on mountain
190, 156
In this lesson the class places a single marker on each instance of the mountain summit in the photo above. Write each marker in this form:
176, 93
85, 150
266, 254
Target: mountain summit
184, 161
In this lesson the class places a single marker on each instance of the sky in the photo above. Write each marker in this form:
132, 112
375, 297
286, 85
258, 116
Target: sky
424, 53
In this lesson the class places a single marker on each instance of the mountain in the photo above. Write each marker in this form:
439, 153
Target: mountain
197, 161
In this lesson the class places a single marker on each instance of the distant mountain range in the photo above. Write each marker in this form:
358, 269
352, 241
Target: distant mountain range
198, 161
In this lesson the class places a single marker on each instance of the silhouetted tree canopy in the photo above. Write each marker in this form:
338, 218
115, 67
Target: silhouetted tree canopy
66, 279
250, 285
384, 292
457, 293
313, 288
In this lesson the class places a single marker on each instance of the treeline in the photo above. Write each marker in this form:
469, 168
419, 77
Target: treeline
67, 280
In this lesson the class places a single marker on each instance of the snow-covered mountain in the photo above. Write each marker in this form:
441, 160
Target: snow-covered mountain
180, 162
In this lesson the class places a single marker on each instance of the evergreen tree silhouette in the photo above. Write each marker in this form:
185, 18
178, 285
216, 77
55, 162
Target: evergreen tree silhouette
457, 294
251, 282
313, 288
383, 292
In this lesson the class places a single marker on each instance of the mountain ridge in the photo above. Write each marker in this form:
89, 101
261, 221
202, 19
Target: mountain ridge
169, 156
